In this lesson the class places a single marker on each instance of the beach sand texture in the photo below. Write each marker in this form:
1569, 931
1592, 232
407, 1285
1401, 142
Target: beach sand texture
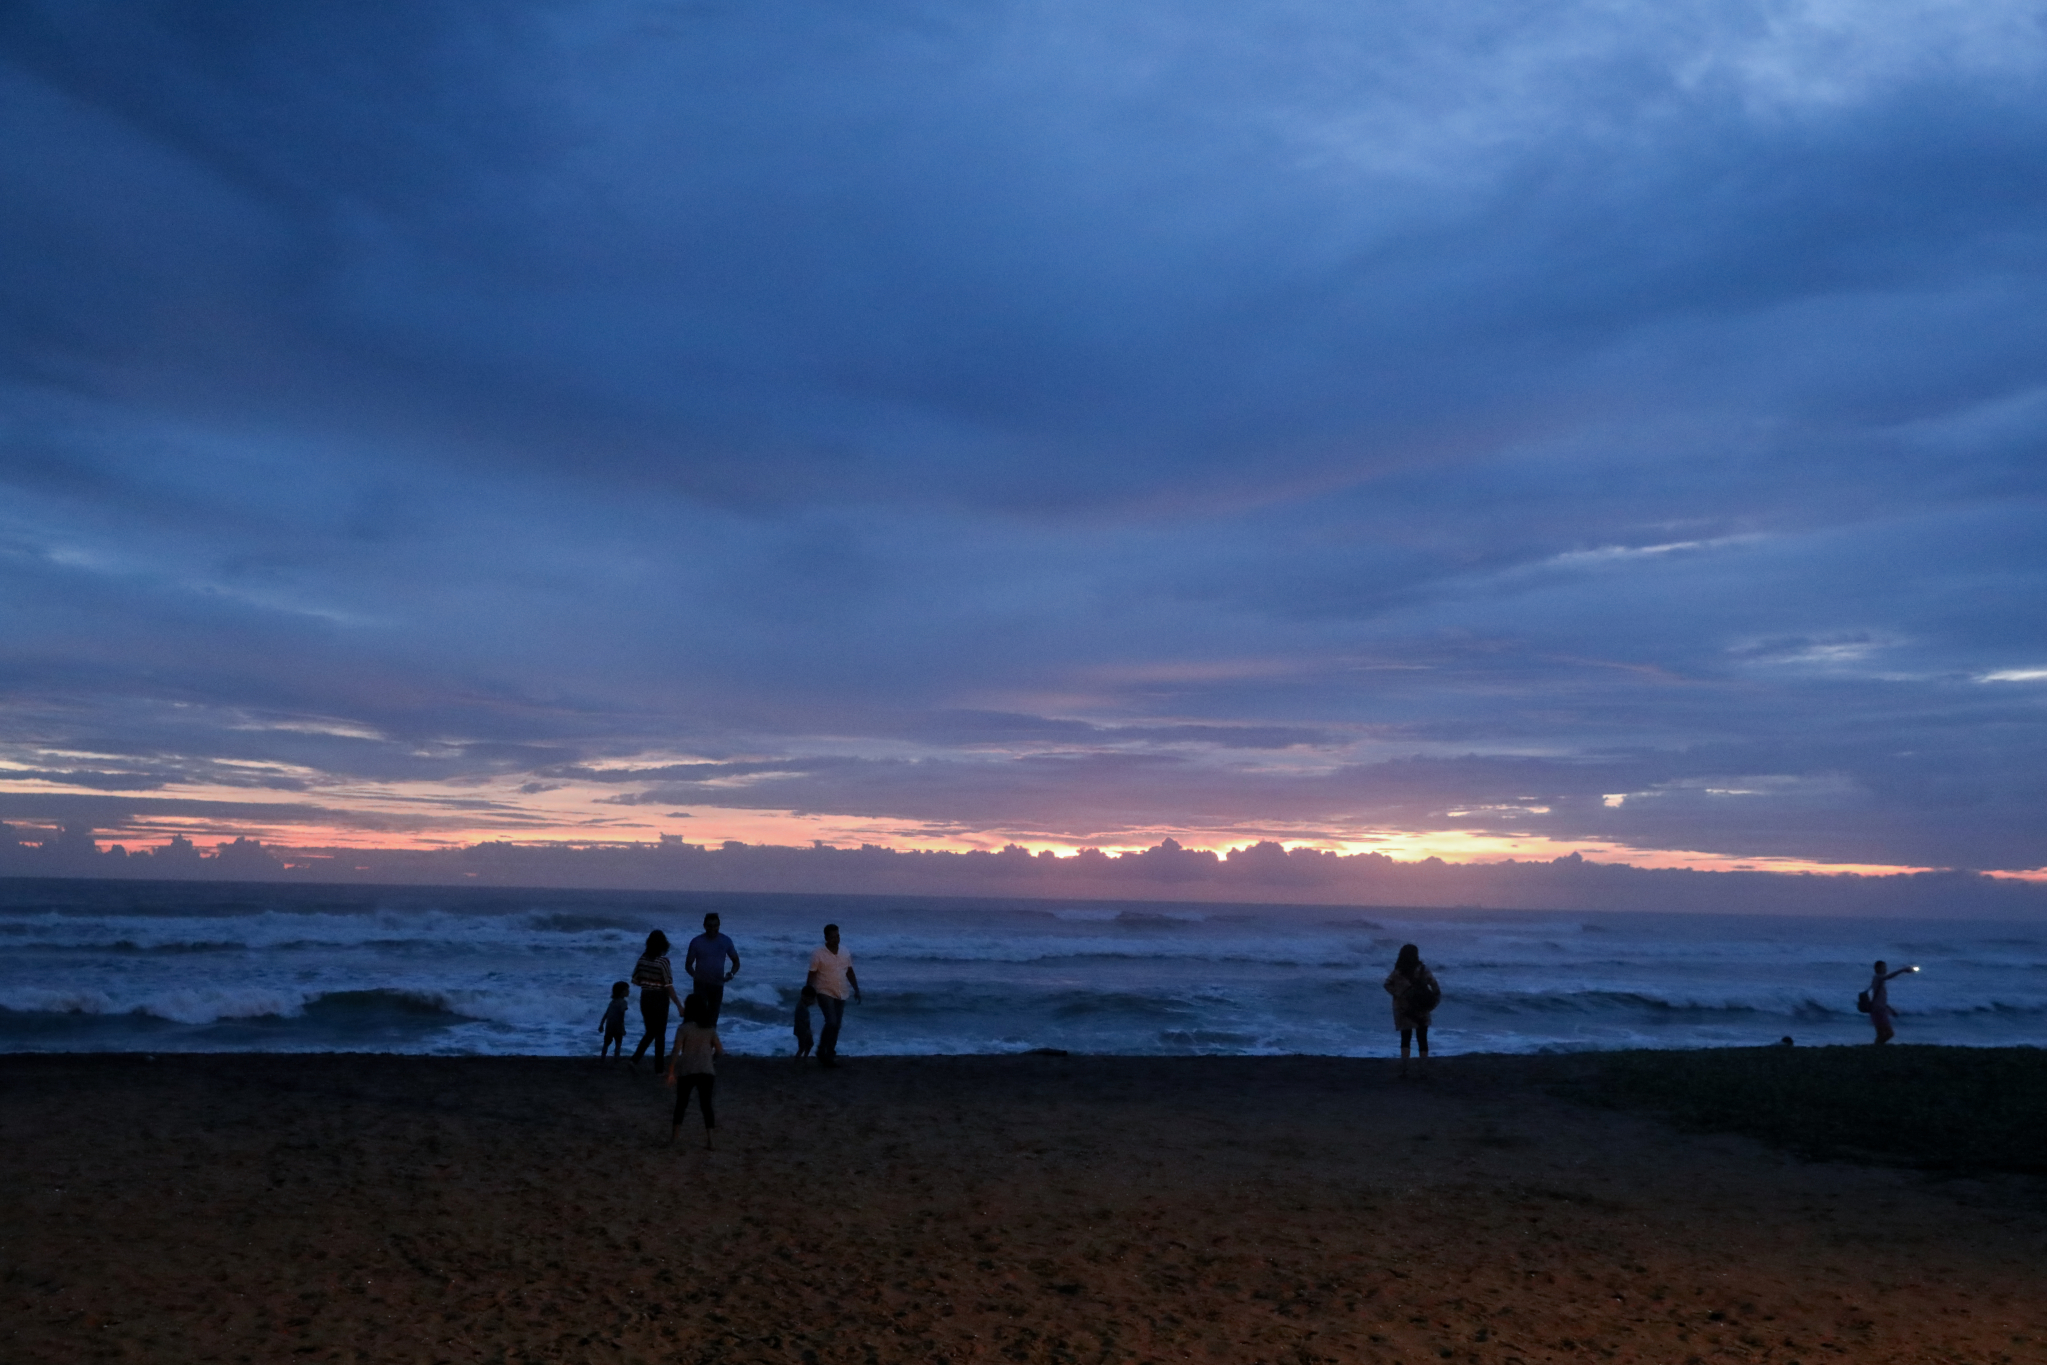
358, 1208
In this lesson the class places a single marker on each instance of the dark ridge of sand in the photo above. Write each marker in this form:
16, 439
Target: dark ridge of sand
1967, 1110
390, 1209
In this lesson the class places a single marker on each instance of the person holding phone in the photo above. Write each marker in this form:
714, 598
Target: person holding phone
1880, 1012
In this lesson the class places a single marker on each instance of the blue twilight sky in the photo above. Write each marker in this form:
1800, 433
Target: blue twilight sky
1473, 429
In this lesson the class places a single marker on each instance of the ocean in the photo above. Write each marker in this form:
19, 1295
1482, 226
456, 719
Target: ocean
211, 967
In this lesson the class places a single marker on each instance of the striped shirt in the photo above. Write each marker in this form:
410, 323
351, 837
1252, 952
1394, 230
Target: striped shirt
652, 974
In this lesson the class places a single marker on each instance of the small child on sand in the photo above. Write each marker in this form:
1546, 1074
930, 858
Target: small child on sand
696, 1043
613, 1026
803, 1004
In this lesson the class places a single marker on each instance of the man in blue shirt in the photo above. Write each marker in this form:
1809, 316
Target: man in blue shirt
705, 964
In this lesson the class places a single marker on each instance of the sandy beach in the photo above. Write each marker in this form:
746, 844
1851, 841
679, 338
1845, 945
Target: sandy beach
367, 1208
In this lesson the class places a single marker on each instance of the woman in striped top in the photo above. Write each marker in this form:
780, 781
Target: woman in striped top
656, 981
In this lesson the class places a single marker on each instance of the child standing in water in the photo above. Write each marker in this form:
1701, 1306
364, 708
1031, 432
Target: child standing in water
613, 1026
803, 1004
690, 1068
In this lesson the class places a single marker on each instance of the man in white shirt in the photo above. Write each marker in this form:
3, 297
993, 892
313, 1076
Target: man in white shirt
831, 975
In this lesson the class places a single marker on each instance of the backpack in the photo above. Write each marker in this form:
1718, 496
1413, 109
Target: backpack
1862, 1002
1423, 996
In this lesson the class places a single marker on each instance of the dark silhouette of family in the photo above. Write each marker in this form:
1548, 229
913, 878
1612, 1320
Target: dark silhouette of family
829, 982
691, 1065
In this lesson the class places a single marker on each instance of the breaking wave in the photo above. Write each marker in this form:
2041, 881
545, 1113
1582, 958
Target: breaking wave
130, 966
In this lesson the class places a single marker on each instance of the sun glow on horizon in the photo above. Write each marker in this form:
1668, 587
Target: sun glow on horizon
336, 816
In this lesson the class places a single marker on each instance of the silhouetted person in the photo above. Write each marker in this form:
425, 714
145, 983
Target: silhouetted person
656, 980
613, 1025
804, 1000
704, 964
1880, 1012
1415, 995
831, 976
690, 1069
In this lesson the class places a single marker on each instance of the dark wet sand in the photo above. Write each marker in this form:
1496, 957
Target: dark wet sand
959, 1209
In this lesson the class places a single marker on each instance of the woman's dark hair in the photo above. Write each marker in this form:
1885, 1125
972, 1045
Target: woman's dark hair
1409, 962
657, 943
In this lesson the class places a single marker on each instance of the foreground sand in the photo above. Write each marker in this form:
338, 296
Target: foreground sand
958, 1209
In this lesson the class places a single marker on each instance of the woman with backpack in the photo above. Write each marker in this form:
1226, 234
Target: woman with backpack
1415, 997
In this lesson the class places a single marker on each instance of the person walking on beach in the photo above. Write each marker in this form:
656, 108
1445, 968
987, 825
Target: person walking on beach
691, 1068
1415, 997
831, 976
656, 980
1880, 1011
613, 1024
704, 964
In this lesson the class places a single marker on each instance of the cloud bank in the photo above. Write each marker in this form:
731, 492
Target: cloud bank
1263, 873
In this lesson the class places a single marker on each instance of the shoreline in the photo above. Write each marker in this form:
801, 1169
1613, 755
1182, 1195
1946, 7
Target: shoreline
1240, 1209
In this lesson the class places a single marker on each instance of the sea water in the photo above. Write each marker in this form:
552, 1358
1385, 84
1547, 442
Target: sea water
126, 966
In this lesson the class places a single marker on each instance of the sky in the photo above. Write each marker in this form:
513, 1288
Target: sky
1482, 431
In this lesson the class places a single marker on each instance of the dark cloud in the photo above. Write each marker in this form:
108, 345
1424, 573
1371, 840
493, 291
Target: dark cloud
1038, 419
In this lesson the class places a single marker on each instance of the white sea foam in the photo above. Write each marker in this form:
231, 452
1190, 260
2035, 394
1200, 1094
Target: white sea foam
760, 993
56, 1000
209, 1004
